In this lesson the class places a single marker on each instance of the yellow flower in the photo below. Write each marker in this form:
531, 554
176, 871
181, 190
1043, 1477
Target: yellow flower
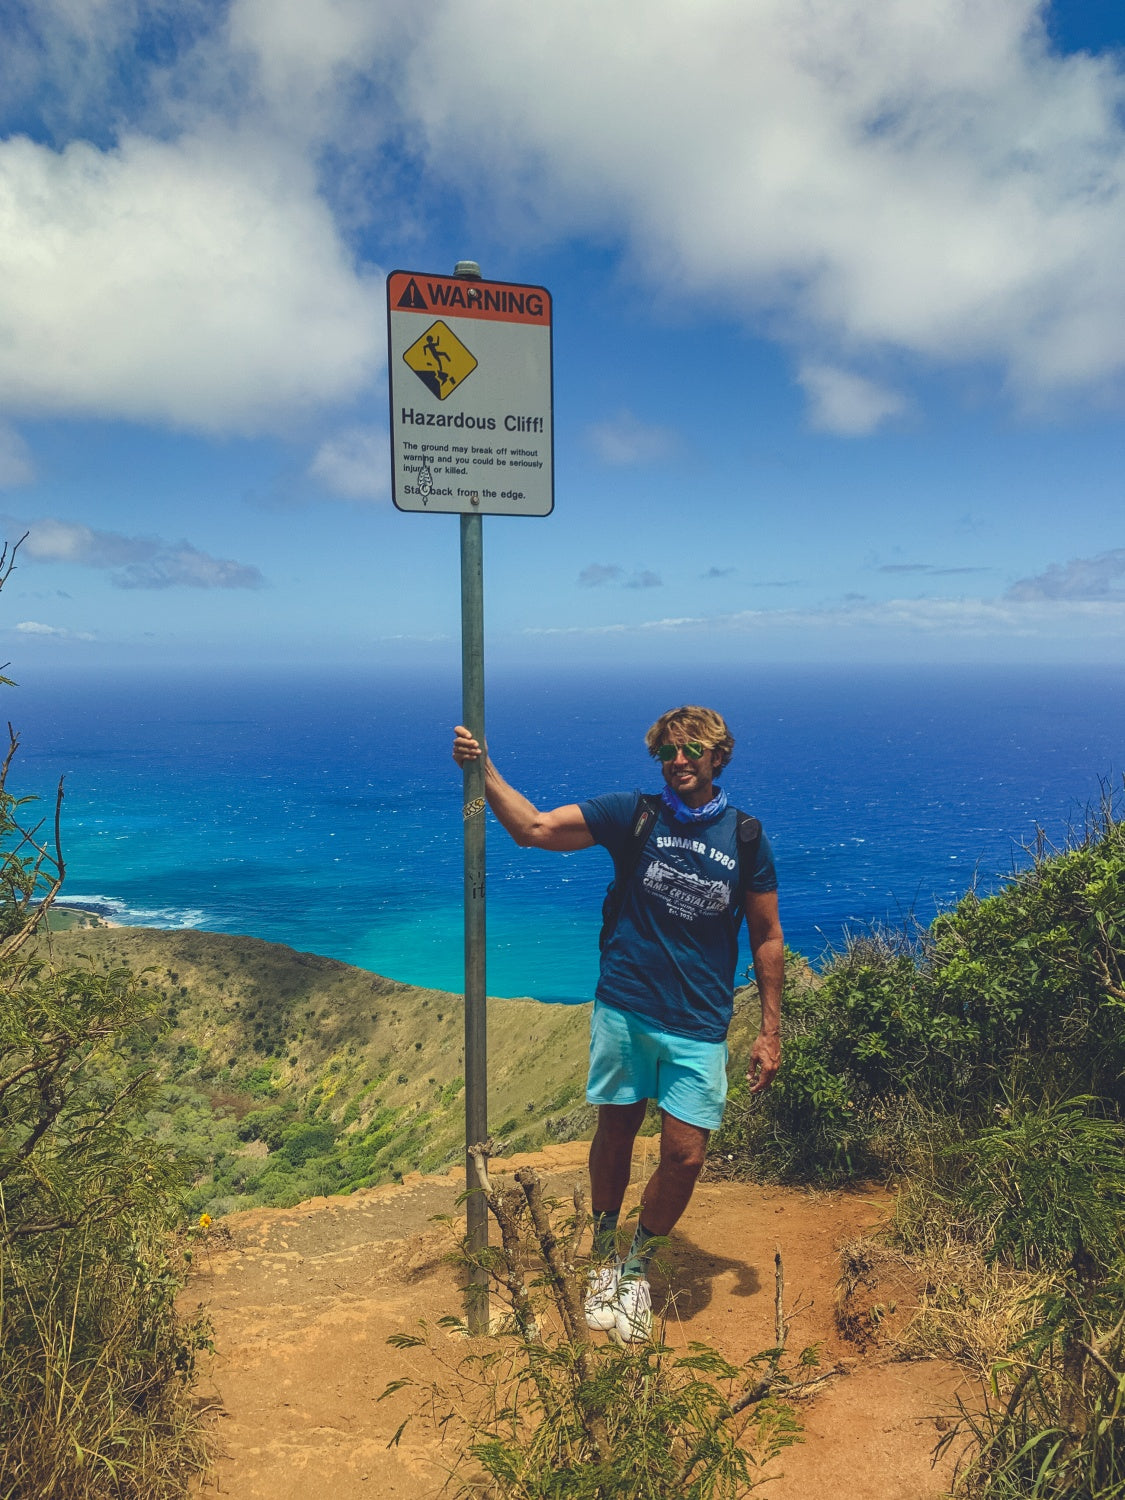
205, 1221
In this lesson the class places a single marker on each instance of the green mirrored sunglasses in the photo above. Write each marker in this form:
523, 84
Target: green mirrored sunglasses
691, 748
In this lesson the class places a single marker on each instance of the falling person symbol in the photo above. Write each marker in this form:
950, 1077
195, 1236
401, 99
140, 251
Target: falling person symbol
437, 354
440, 360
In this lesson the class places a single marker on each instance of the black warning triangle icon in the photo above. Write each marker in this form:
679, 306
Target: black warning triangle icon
412, 297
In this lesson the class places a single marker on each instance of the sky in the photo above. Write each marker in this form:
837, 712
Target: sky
839, 328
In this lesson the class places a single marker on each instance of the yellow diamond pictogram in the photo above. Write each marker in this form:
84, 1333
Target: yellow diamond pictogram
440, 360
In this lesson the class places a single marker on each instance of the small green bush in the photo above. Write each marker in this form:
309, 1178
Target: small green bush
1043, 1188
1020, 994
304, 1139
550, 1412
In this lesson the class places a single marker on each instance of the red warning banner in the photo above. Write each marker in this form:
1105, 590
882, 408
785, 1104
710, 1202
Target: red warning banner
456, 297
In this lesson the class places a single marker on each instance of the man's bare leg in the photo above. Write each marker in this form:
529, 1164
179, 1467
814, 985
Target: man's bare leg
611, 1154
669, 1189
621, 1300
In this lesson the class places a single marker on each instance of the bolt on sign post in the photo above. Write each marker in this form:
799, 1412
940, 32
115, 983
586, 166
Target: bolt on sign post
472, 434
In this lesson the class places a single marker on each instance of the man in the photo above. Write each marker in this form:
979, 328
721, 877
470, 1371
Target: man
664, 996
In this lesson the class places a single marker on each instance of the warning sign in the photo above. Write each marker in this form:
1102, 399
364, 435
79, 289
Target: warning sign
488, 300
471, 396
440, 360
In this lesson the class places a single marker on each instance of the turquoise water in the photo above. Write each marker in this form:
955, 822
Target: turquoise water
325, 813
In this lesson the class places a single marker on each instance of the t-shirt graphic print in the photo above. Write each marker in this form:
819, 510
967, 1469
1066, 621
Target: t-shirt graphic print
672, 955
685, 894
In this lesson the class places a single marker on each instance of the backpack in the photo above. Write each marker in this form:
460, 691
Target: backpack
644, 819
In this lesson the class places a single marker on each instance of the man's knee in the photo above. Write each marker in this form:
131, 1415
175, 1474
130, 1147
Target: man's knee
620, 1122
683, 1148
685, 1161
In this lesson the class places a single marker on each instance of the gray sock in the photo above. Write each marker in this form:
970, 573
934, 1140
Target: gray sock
605, 1235
636, 1262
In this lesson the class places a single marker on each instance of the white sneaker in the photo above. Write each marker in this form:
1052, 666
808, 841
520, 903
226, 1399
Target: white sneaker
632, 1308
601, 1309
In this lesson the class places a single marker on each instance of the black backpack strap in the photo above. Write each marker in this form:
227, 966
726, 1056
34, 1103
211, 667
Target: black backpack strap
749, 841
644, 820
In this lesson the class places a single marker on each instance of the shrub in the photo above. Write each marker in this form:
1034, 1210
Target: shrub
985, 1058
95, 1363
1019, 994
305, 1139
267, 1125
1043, 1188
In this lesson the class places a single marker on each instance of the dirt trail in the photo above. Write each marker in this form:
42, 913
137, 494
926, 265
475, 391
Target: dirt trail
304, 1300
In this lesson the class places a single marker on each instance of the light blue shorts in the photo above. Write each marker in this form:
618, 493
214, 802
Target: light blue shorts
631, 1060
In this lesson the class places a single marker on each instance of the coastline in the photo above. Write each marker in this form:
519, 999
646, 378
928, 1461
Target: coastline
881, 795
64, 915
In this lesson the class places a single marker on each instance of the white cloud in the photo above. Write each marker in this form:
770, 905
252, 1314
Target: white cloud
58, 56
51, 540
140, 562
200, 282
868, 174
1082, 578
626, 441
16, 465
56, 632
313, 65
846, 403
1005, 617
856, 177
354, 463
932, 570
180, 565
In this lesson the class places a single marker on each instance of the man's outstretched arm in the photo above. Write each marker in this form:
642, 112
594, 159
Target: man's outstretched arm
767, 944
562, 829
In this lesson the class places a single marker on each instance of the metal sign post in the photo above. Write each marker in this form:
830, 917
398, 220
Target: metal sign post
476, 994
472, 433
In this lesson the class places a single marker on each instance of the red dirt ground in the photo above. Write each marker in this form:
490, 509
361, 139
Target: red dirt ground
303, 1301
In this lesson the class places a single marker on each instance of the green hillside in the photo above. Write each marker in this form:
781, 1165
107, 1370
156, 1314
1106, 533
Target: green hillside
287, 1075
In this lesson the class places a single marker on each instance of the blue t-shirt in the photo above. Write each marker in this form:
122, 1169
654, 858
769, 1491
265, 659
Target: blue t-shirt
672, 956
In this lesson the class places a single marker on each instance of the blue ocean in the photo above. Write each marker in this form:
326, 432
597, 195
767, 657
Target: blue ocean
325, 812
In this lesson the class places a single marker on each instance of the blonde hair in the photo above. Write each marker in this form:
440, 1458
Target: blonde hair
691, 722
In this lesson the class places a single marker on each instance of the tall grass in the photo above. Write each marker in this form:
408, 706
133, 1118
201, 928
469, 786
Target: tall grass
96, 1367
94, 1363
1052, 1424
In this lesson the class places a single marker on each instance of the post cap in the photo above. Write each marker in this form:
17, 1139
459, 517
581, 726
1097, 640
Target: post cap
468, 269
